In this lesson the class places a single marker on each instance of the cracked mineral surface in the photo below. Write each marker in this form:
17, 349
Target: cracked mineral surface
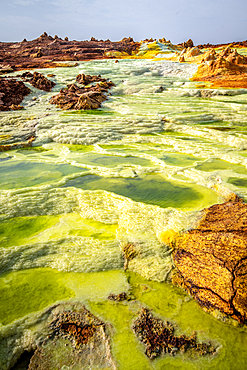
211, 259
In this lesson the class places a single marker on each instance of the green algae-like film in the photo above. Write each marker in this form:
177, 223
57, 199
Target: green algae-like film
19, 174
23, 292
18, 230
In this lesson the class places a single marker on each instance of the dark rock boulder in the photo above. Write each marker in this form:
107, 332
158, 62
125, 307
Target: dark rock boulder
12, 93
38, 80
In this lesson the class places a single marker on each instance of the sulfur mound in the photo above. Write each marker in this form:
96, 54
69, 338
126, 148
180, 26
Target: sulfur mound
211, 260
227, 69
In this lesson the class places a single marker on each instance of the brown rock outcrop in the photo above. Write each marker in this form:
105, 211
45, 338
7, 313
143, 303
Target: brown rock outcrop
87, 79
192, 52
12, 93
188, 44
211, 259
38, 80
82, 98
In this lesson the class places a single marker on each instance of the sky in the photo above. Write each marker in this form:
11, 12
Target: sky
213, 21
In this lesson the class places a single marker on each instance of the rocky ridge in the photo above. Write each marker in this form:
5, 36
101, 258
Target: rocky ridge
46, 51
226, 69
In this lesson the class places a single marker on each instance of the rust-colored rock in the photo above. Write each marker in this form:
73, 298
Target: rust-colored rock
159, 337
188, 44
12, 93
88, 79
129, 251
211, 259
84, 98
37, 80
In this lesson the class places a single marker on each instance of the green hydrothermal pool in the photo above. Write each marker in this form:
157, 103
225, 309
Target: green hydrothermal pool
150, 189
17, 174
112, 161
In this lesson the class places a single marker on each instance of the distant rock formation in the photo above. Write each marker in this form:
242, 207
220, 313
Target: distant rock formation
227, 69
188, 44
45, 51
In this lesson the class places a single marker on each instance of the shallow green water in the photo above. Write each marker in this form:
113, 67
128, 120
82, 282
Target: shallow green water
150, 189
146, 162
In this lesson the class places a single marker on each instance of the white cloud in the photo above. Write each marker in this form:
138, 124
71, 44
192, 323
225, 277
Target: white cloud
25, 2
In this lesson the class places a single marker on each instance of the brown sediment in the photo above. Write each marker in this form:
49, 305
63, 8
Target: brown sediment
27, 144
45, 51
83, 98
77, 340
211, 259
159, 337
129, 252
118, 297
79, 327
12, 93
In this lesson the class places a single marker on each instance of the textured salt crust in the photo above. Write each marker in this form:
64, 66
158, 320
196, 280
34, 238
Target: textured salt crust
137, 223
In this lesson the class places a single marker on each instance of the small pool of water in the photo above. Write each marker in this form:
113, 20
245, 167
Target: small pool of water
152, 189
